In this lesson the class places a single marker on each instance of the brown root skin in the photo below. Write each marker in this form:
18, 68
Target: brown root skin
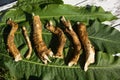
90, 52
39, 44
75, 40
29, 52
61, 38
10, 41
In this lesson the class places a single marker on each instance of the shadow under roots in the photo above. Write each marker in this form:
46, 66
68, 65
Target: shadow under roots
82, 59
70, 51
29, 17
54, 43
31, 77
6, 33
34, 78
69, 55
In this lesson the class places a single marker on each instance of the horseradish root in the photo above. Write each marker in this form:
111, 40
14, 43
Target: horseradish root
75, 41
61, 38
40, 46
29, 52
90, 52
10, 41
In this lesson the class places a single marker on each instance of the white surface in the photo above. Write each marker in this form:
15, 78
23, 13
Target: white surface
7, 6
108, 5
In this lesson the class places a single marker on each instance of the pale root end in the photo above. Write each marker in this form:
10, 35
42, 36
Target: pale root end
24, 28
51, 54
28, 42
46, 58
28, 56
71, 63
44, 61
87, 64
58, 55
78, 23
10, 19
18, 58
63, 18
91, 59
50, 23
70, 26
67, 23
86, 67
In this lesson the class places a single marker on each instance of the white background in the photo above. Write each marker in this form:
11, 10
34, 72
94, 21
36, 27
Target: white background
108, 5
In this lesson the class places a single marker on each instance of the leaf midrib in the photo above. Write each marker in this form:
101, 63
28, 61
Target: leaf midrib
59, 66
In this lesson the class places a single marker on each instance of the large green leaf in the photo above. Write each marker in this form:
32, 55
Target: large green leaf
104, 38
83, 14
106, 67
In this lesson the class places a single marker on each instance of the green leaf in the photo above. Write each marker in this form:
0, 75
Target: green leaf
106, 66
57, 70
31, 5
104, 38
83, 14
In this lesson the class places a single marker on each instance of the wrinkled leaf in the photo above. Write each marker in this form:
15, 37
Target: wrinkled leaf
106, 67
104, 38
83, 14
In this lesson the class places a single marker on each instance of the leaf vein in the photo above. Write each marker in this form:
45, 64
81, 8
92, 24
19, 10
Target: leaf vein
106, 40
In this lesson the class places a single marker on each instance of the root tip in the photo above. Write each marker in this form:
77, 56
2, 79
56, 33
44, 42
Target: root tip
45, 61
18, 58
23, 28
50, 23
60, 57
46, 58
85, 68
28, 57
63, 18
51, 54
72, 63
78, 23
8, 21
